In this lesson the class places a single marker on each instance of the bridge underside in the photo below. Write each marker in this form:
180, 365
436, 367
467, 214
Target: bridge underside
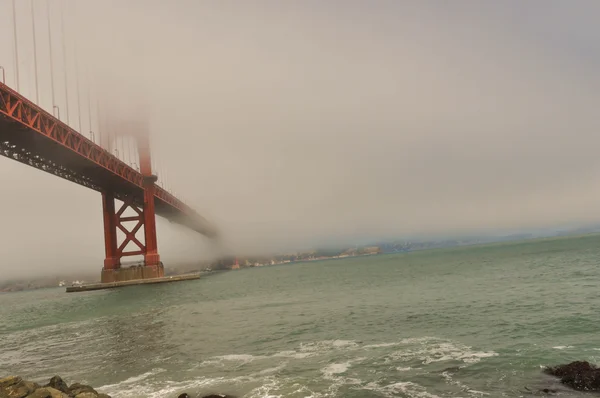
30, 135
33, 149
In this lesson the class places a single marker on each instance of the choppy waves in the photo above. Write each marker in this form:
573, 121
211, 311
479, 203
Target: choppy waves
317, 369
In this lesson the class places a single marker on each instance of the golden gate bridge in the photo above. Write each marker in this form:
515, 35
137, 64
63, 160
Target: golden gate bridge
33, 136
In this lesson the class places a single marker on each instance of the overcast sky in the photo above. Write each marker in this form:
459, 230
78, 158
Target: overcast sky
301, 123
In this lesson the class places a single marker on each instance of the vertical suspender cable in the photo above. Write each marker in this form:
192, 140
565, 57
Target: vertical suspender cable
16, 45
64, 46
51, 57
35, 75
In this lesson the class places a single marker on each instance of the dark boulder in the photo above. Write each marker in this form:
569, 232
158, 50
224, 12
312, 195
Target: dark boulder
549, 390
541, 391
58, 384
579, 375
218, 396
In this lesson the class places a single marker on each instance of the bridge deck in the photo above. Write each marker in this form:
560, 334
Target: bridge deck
32, 136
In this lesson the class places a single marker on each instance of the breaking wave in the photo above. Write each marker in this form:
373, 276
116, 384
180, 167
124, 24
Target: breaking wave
326, 368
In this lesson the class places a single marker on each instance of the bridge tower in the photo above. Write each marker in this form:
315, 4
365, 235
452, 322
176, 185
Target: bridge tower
144, 217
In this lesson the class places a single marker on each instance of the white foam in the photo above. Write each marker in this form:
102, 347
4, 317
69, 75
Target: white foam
293, 354
275, 369
407, 388
405, 369
241, 359
163, 389
305, 350
450, 380
265, 390
462, 386
134, 379
335, 368
327, 345
475, 392
382, 345
238, 357
562, 347
344, 343
414, 340
271, 383
429, 352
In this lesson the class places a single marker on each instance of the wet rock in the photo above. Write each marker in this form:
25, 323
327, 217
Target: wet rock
549, 391
78, 389
47, 392
58, 384
86, 395
31, 385
16, 387
40, 393
579, 375
17, 391
218, 396
9, 381
541, 391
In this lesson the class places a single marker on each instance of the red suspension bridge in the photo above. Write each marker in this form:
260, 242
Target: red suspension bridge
30, 135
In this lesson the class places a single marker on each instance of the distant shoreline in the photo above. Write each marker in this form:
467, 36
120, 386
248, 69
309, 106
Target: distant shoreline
52, 282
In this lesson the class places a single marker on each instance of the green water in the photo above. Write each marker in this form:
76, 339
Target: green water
466, 322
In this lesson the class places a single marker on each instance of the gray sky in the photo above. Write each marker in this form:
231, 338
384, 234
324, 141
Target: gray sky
295, 124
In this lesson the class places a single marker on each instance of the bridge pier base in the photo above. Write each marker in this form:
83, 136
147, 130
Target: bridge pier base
114, 220
136, 272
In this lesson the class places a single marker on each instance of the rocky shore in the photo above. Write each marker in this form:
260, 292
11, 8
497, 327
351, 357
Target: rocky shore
16, 387
579, 375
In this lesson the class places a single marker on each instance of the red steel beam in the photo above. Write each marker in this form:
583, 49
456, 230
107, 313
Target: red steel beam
19, 109
112, 260
130, 234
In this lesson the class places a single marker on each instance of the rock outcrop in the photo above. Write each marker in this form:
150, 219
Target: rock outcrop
16, 387
579, 375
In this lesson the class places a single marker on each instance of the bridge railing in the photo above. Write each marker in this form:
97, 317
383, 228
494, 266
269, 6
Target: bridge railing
19, 109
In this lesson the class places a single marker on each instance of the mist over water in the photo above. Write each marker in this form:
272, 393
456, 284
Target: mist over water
302, 125
468, 322
294, 125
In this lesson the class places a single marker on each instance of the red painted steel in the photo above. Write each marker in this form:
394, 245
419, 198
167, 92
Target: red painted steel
151, 256
130, 226
112, 261
32, 136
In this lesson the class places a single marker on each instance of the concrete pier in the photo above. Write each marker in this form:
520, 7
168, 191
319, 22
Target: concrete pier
134, 272
110, 285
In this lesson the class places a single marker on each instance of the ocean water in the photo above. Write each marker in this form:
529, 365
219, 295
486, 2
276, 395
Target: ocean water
463, 322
